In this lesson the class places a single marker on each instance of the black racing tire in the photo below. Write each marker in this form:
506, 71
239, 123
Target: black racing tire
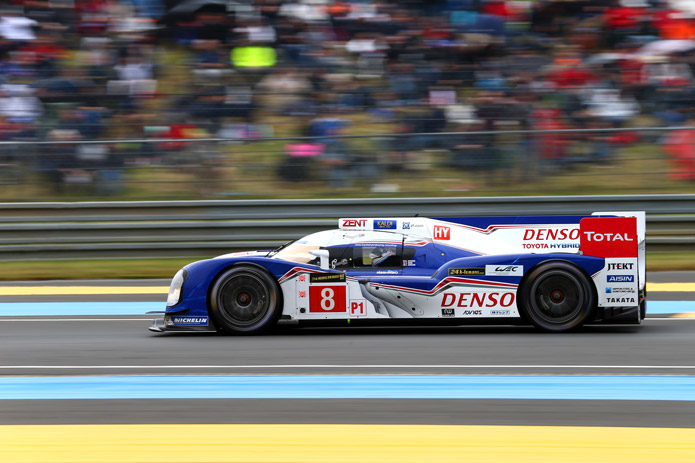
557, 296
245, 300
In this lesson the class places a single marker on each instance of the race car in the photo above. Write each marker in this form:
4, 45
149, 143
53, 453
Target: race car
554, 272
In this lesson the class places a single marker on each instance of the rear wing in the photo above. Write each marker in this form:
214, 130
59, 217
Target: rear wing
617, 235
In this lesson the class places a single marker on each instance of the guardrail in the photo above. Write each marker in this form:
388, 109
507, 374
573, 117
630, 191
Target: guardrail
148, 229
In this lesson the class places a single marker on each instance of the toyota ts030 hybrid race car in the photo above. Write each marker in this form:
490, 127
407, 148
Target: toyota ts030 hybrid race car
555, 272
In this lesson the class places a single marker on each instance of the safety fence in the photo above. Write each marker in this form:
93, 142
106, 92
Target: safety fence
155, 229
248, 164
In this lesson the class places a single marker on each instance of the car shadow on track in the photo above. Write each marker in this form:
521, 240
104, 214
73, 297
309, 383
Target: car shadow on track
425, 330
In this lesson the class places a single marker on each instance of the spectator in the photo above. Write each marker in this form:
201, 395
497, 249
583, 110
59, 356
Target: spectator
208, 62
18, 103
15, 27
299, 164
284, 90
418, 68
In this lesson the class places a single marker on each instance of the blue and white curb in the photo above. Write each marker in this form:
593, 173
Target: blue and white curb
681, 388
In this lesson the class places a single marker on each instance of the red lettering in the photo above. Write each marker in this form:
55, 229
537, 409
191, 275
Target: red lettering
354, 222
478, 299
492, 299
547, 234
462, 299
470, 300
357, 308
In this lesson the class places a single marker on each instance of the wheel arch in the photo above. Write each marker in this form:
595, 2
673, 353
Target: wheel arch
529, 272
224, 269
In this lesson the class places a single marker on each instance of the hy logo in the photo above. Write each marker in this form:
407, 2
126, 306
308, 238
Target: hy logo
441, 233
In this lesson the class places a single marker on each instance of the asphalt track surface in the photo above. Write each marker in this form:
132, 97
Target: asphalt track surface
121, 345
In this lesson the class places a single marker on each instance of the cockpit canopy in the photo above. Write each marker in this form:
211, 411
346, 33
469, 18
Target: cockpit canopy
349, 249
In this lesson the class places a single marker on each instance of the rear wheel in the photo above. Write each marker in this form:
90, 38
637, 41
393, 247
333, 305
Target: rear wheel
557, 297
244, 300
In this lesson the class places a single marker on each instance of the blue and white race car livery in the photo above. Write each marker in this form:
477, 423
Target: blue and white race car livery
555, 272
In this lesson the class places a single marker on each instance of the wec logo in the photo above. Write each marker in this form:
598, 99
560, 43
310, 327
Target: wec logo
504, 270
508, 268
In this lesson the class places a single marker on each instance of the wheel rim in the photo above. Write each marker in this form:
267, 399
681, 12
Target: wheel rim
244, 300
558, 297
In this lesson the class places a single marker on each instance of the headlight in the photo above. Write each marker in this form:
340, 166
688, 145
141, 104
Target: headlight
175, 287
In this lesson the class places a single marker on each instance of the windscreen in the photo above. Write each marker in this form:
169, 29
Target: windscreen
300, 250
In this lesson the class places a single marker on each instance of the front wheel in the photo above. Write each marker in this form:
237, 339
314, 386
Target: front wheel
244, 300
557, 297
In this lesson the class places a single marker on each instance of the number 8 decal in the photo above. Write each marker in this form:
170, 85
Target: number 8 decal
327, 301
327, 298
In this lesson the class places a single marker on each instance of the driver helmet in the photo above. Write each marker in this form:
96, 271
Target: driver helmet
380, 254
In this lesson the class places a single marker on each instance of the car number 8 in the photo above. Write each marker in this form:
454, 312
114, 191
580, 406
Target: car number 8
327, 299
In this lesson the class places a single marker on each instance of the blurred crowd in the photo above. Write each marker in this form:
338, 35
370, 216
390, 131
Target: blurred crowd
497, 70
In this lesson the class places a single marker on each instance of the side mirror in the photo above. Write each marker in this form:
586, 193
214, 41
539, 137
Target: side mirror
323, 255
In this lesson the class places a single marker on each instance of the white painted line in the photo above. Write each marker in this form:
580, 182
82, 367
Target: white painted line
324, 366
35, 319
